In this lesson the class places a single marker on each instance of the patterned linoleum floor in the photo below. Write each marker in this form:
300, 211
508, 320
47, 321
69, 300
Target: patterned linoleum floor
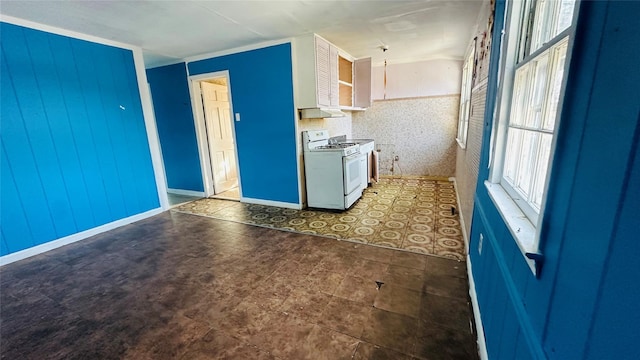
416, 214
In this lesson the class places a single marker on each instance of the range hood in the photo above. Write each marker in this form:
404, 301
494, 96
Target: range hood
317, 113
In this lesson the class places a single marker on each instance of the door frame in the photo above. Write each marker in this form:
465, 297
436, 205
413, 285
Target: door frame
201, 131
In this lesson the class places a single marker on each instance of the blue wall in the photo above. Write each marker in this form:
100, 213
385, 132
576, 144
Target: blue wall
74, 146
262, 92
176, 130
584, 303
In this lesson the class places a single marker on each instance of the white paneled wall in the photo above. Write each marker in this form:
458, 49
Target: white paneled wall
468, 159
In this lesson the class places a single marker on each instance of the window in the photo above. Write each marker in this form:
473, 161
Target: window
534, 104
465, 97
537, 46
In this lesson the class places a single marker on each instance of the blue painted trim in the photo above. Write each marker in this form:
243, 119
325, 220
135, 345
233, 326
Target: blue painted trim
492, 91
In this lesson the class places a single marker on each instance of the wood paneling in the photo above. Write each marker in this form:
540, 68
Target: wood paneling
266, 140
74, 148
176, 129
582, 304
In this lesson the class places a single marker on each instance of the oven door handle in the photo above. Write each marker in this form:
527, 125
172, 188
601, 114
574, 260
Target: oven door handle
352, 157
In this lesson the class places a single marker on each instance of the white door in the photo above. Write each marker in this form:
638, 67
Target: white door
217, 114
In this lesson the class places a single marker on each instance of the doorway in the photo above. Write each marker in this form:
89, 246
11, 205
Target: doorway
216, 135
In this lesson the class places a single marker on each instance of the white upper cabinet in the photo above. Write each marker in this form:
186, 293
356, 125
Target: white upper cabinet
324, 76
323, 73
333, 76
362, 83
326, 73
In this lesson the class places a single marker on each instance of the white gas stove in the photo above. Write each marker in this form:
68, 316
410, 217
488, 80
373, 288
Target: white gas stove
319, 140
346, 148
333, 171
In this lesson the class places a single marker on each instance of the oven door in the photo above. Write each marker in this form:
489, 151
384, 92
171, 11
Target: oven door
352, 172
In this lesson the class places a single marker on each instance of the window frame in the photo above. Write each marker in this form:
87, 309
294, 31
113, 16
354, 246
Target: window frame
515, 54
466, 89
527, 207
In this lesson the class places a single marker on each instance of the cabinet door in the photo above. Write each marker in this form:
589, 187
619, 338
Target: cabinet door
334, 91
323, 72
362, 83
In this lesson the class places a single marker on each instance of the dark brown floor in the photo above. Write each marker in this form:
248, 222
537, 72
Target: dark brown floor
178, 286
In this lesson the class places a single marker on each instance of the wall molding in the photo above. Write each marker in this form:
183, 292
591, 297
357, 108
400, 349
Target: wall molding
482, 344
65, 32
271, 203
297, 85
416, 97
54, 244
151, 128
236, 50
185, 192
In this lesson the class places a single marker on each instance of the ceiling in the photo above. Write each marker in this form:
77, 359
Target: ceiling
169, 31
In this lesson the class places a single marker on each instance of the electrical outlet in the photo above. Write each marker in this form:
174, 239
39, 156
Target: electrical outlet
480, 244
396, 158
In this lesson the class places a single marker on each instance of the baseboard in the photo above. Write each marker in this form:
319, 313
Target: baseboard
39, 249
186, 192
482, 345
463, 226
271, 203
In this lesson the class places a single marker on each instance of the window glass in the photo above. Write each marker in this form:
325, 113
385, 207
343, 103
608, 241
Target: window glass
559, 56
535, 95
538, 87
519, 97
542, 164
551, 18
513, 151
526, 162
465, 99
565, 15
540, 33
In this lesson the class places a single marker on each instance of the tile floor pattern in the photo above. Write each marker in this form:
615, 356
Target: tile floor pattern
178, 286
410, 213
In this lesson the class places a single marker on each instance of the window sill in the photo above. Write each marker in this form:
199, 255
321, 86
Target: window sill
461, 144
522, 230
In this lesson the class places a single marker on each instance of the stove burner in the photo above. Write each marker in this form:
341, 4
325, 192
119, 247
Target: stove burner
337, 146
